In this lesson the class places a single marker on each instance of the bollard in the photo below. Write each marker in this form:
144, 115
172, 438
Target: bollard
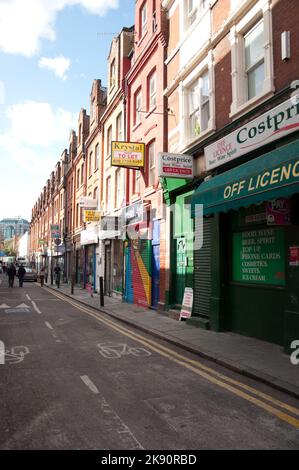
101, 291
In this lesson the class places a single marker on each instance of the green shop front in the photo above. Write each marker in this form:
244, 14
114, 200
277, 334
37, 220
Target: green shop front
246, 277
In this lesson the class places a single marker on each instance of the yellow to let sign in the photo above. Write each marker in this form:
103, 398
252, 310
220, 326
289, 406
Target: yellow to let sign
92, 216
128, 154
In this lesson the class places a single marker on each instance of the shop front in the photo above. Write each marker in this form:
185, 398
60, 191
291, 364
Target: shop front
89, 242
251, 242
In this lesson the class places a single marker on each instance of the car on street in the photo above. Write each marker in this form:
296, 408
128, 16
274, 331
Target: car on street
31, 275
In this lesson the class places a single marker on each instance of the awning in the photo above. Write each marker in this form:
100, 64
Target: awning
273, 175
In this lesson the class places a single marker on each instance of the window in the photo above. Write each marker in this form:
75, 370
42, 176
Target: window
109, 141
191, 11
151, 163
90, 164
254, 60
119, 128
137, 107
152, 91
78, 178
137, 176
199, 106
112, 74
143, 20
96, 157
77, 214
95, 194
82, 173
108, 194
118, 188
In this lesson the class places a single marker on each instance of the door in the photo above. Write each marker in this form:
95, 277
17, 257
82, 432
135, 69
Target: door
129, 292
155, 276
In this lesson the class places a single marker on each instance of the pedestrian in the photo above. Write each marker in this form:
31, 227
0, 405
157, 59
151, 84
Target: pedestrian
57, 272
42, 276
21, 275
11, 273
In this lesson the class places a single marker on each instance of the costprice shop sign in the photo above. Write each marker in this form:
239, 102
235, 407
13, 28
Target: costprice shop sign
174, 165
268, 127
128, 154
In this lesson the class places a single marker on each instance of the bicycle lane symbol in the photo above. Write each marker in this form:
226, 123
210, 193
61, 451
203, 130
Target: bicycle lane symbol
16, 354
116, 351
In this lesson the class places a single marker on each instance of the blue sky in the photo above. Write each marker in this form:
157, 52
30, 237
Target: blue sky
50, 52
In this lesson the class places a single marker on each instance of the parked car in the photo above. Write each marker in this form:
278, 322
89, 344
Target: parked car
31, 275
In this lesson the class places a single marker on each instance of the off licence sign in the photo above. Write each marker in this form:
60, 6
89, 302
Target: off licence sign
128, 154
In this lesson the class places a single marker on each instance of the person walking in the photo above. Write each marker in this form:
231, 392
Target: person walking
57, 272
21, 275
11, 273
42, 276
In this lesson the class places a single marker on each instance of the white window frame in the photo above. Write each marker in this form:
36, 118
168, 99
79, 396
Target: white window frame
108, 194
96, 157
151, 163
143, 19
112, 74
240, 103
118, 178
119, 127
152, 96
108, 141
137, 184
186, 138
138, 97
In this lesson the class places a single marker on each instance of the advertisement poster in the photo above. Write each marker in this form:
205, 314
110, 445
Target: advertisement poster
278, 212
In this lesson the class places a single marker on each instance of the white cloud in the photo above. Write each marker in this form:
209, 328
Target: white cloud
23, 24
59, 65
29, 150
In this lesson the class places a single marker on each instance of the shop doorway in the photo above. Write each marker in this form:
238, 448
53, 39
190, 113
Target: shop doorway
108, 270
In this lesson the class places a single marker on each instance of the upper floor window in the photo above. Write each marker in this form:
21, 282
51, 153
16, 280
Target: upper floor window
109, 141
143, 19
254, 59
138, 96
151, 163
95, 194
199, 105
119, 127
152, 91
193, 8
96, 157
92, 109
90, 164
112, 74
82, 173
118, 188
137, 179
78, 178
108, 194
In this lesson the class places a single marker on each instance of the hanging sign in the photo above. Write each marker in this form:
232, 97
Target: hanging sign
92, 216
186, 310
175, 165
128, 154
88, 203
55, 231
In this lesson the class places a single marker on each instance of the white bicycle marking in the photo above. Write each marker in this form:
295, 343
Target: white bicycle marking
89, 384
116, 351
16, 354
35, 307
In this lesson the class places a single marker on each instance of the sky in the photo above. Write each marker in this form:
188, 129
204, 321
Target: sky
50, 52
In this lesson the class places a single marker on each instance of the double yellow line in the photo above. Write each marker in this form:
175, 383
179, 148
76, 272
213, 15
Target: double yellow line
252, 395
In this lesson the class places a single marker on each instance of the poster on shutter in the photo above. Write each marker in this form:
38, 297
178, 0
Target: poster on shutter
278, 212
294, 256
186, 310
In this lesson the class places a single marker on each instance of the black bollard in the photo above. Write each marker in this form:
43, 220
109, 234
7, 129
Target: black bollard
101, 291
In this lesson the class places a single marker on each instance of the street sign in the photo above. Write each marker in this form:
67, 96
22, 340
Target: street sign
55, 231
174, 165
128, 154
57, 241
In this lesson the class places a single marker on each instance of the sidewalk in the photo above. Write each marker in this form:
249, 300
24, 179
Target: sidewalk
253, 358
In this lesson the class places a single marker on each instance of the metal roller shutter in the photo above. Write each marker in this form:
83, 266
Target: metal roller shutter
202, 273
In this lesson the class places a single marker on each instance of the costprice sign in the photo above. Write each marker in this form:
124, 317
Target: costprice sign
268, 127
173, 165
258, 256
128, 154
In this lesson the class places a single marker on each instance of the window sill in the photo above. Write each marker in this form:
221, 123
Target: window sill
251, 104
142, 38
187, 144
150, 190
135, 197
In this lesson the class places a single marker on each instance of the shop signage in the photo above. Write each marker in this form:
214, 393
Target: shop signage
258, 256
277, 176
278, 212
174, 165
42, 242
133, 213
55, 231
89, 237
128, 154
294, 256
88, 203
92, 216
186, 310
275, 124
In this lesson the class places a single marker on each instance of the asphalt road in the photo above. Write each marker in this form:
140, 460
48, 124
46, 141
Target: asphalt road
75, 379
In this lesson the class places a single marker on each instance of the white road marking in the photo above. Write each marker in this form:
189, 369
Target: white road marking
4, 306
35, 307
89, 384
49, 325
28, 297
22, 306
